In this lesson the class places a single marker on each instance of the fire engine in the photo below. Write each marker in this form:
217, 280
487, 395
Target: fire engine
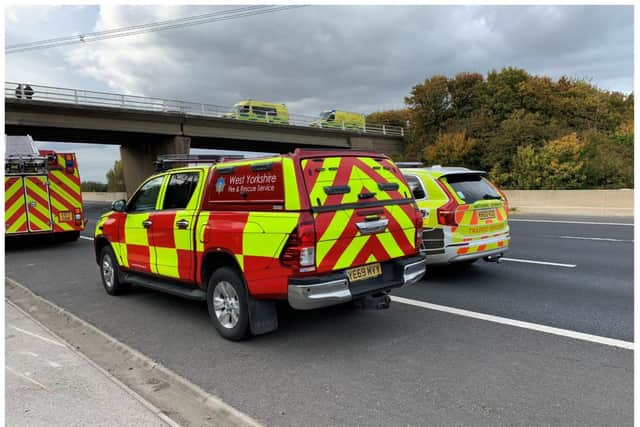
41, 191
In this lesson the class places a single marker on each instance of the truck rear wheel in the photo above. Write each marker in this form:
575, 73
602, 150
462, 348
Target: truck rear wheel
110, 272
227, 304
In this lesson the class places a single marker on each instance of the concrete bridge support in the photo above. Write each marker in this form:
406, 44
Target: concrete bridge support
137, 158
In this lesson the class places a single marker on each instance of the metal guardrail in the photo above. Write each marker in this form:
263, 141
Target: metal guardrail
26, 93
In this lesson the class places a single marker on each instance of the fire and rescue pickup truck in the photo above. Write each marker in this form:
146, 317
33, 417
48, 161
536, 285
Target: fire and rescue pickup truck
316, 228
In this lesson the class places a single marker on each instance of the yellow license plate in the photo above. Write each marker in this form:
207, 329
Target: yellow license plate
364, 272
487, 214
65, 216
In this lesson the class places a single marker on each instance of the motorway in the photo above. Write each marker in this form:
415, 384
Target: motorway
409, 364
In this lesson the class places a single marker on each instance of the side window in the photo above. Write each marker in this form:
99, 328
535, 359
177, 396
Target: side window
179, 190
145, 198
416, 187
332, 117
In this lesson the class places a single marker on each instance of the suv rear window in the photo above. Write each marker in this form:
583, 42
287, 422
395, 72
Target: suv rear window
472, 188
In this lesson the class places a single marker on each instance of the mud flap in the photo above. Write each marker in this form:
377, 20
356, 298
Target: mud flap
263, 316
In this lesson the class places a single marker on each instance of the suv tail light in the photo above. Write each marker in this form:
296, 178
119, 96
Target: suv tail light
447, 213
505, 201
299, 253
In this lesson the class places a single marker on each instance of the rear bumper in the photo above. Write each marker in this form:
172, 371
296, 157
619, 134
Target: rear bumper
471, 250
307, 293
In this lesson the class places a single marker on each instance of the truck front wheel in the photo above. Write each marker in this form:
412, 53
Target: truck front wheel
227, 304
110, 272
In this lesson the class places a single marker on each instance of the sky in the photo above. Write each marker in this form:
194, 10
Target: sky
356, 58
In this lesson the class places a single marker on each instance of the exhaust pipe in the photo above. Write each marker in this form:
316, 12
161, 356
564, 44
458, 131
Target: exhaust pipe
379, 301
493, 258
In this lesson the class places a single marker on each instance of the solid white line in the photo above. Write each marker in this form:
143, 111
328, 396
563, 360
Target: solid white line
570, 222
38, 336
518, 323
530, 261
86, 237
604, 239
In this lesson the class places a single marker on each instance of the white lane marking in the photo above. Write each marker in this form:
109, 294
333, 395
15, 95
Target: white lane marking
38, 336
518, 323
571, 222
24, 377
604, 239
86, 237
530, 261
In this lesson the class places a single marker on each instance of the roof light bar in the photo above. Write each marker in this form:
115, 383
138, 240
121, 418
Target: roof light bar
169, 161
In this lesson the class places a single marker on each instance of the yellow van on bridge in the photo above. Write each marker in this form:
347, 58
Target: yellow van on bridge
339, 119
260, 111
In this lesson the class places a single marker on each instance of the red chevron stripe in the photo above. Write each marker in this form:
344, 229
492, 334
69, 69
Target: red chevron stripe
372, 247
73, 193
20, 212
9, 182
40, 216
15, 198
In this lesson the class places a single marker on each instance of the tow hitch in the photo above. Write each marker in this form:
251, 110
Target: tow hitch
379, 301
493, 258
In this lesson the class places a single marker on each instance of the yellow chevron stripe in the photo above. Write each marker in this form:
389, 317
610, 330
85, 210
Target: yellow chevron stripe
351, 252
18, 204
60, 192
36, 224
15, 187
62, 176
334, 230
19, 223
325, 178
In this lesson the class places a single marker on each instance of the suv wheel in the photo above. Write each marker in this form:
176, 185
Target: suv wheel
227, 304
110, 272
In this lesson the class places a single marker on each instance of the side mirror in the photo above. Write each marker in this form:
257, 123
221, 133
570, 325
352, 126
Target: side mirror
119, 205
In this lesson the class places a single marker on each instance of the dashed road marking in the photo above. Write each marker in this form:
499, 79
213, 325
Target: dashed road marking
571, 222
518, 323
86, 237
531, 261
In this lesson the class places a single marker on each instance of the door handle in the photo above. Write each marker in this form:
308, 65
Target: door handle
182, 224
147, 223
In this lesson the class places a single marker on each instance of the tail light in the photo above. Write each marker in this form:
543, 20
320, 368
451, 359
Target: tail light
299, 253
505, 201
77, 216
447, 213
419, 229
68, 163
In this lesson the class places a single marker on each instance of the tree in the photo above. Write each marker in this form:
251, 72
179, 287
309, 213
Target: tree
529, 170
390, 117
451, 149
93, 186
115, 178
563, 163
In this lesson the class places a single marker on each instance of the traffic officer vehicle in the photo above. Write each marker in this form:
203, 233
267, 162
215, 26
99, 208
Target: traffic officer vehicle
339, 119
41, 191
465, 215
316, 228
260, 111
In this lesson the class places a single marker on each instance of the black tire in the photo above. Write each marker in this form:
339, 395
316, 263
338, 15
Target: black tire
71, 236
110, 273
232, 316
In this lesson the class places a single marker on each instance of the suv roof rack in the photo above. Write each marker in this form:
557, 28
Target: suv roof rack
410, 164
170, 161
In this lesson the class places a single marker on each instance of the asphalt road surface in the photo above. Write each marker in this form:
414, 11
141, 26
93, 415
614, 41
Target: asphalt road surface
406, 365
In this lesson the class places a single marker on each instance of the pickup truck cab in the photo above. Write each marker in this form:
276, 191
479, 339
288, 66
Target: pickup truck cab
316, 228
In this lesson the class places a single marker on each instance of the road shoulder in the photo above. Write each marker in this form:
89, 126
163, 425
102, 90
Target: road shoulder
172, 398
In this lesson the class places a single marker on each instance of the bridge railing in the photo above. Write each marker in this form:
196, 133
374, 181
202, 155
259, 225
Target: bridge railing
26, 93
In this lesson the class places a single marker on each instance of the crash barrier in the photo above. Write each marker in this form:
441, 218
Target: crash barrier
572, 202
90, 196
555, 202
27, 92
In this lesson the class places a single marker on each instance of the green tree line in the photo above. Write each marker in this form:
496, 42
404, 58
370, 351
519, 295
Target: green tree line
527, 131
115, 180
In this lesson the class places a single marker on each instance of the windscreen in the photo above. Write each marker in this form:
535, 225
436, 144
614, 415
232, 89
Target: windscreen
472, 188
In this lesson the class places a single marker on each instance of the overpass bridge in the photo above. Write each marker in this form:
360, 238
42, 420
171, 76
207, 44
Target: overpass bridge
147, 127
